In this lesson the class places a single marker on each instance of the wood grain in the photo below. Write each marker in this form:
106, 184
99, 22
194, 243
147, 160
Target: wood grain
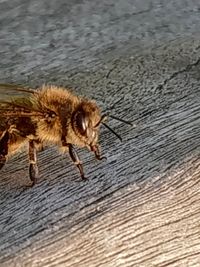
139, 208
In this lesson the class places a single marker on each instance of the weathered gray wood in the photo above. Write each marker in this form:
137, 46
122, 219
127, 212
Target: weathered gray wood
141, 207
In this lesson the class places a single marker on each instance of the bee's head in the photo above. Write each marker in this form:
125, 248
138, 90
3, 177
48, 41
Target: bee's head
86, 122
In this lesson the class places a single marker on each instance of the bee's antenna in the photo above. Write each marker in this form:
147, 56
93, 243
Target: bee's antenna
118, 119
118, 136
103, 118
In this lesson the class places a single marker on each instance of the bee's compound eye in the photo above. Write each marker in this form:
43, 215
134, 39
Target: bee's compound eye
81, 123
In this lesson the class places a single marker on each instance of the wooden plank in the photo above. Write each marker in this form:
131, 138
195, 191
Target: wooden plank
141, 206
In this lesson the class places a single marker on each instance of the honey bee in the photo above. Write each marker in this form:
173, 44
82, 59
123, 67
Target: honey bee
48, 115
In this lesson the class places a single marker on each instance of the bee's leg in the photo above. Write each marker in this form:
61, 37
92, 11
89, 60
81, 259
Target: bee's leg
4, 148
74, 156
96, 151
33, 168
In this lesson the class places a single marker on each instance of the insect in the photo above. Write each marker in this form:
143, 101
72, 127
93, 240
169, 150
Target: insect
48, 115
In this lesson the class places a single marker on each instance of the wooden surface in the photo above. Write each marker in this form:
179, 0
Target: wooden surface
141, 207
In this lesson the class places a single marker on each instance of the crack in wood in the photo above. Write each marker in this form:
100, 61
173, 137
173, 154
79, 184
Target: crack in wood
186, 69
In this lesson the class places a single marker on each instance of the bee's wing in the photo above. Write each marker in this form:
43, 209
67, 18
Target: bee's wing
18, 101
14, 90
